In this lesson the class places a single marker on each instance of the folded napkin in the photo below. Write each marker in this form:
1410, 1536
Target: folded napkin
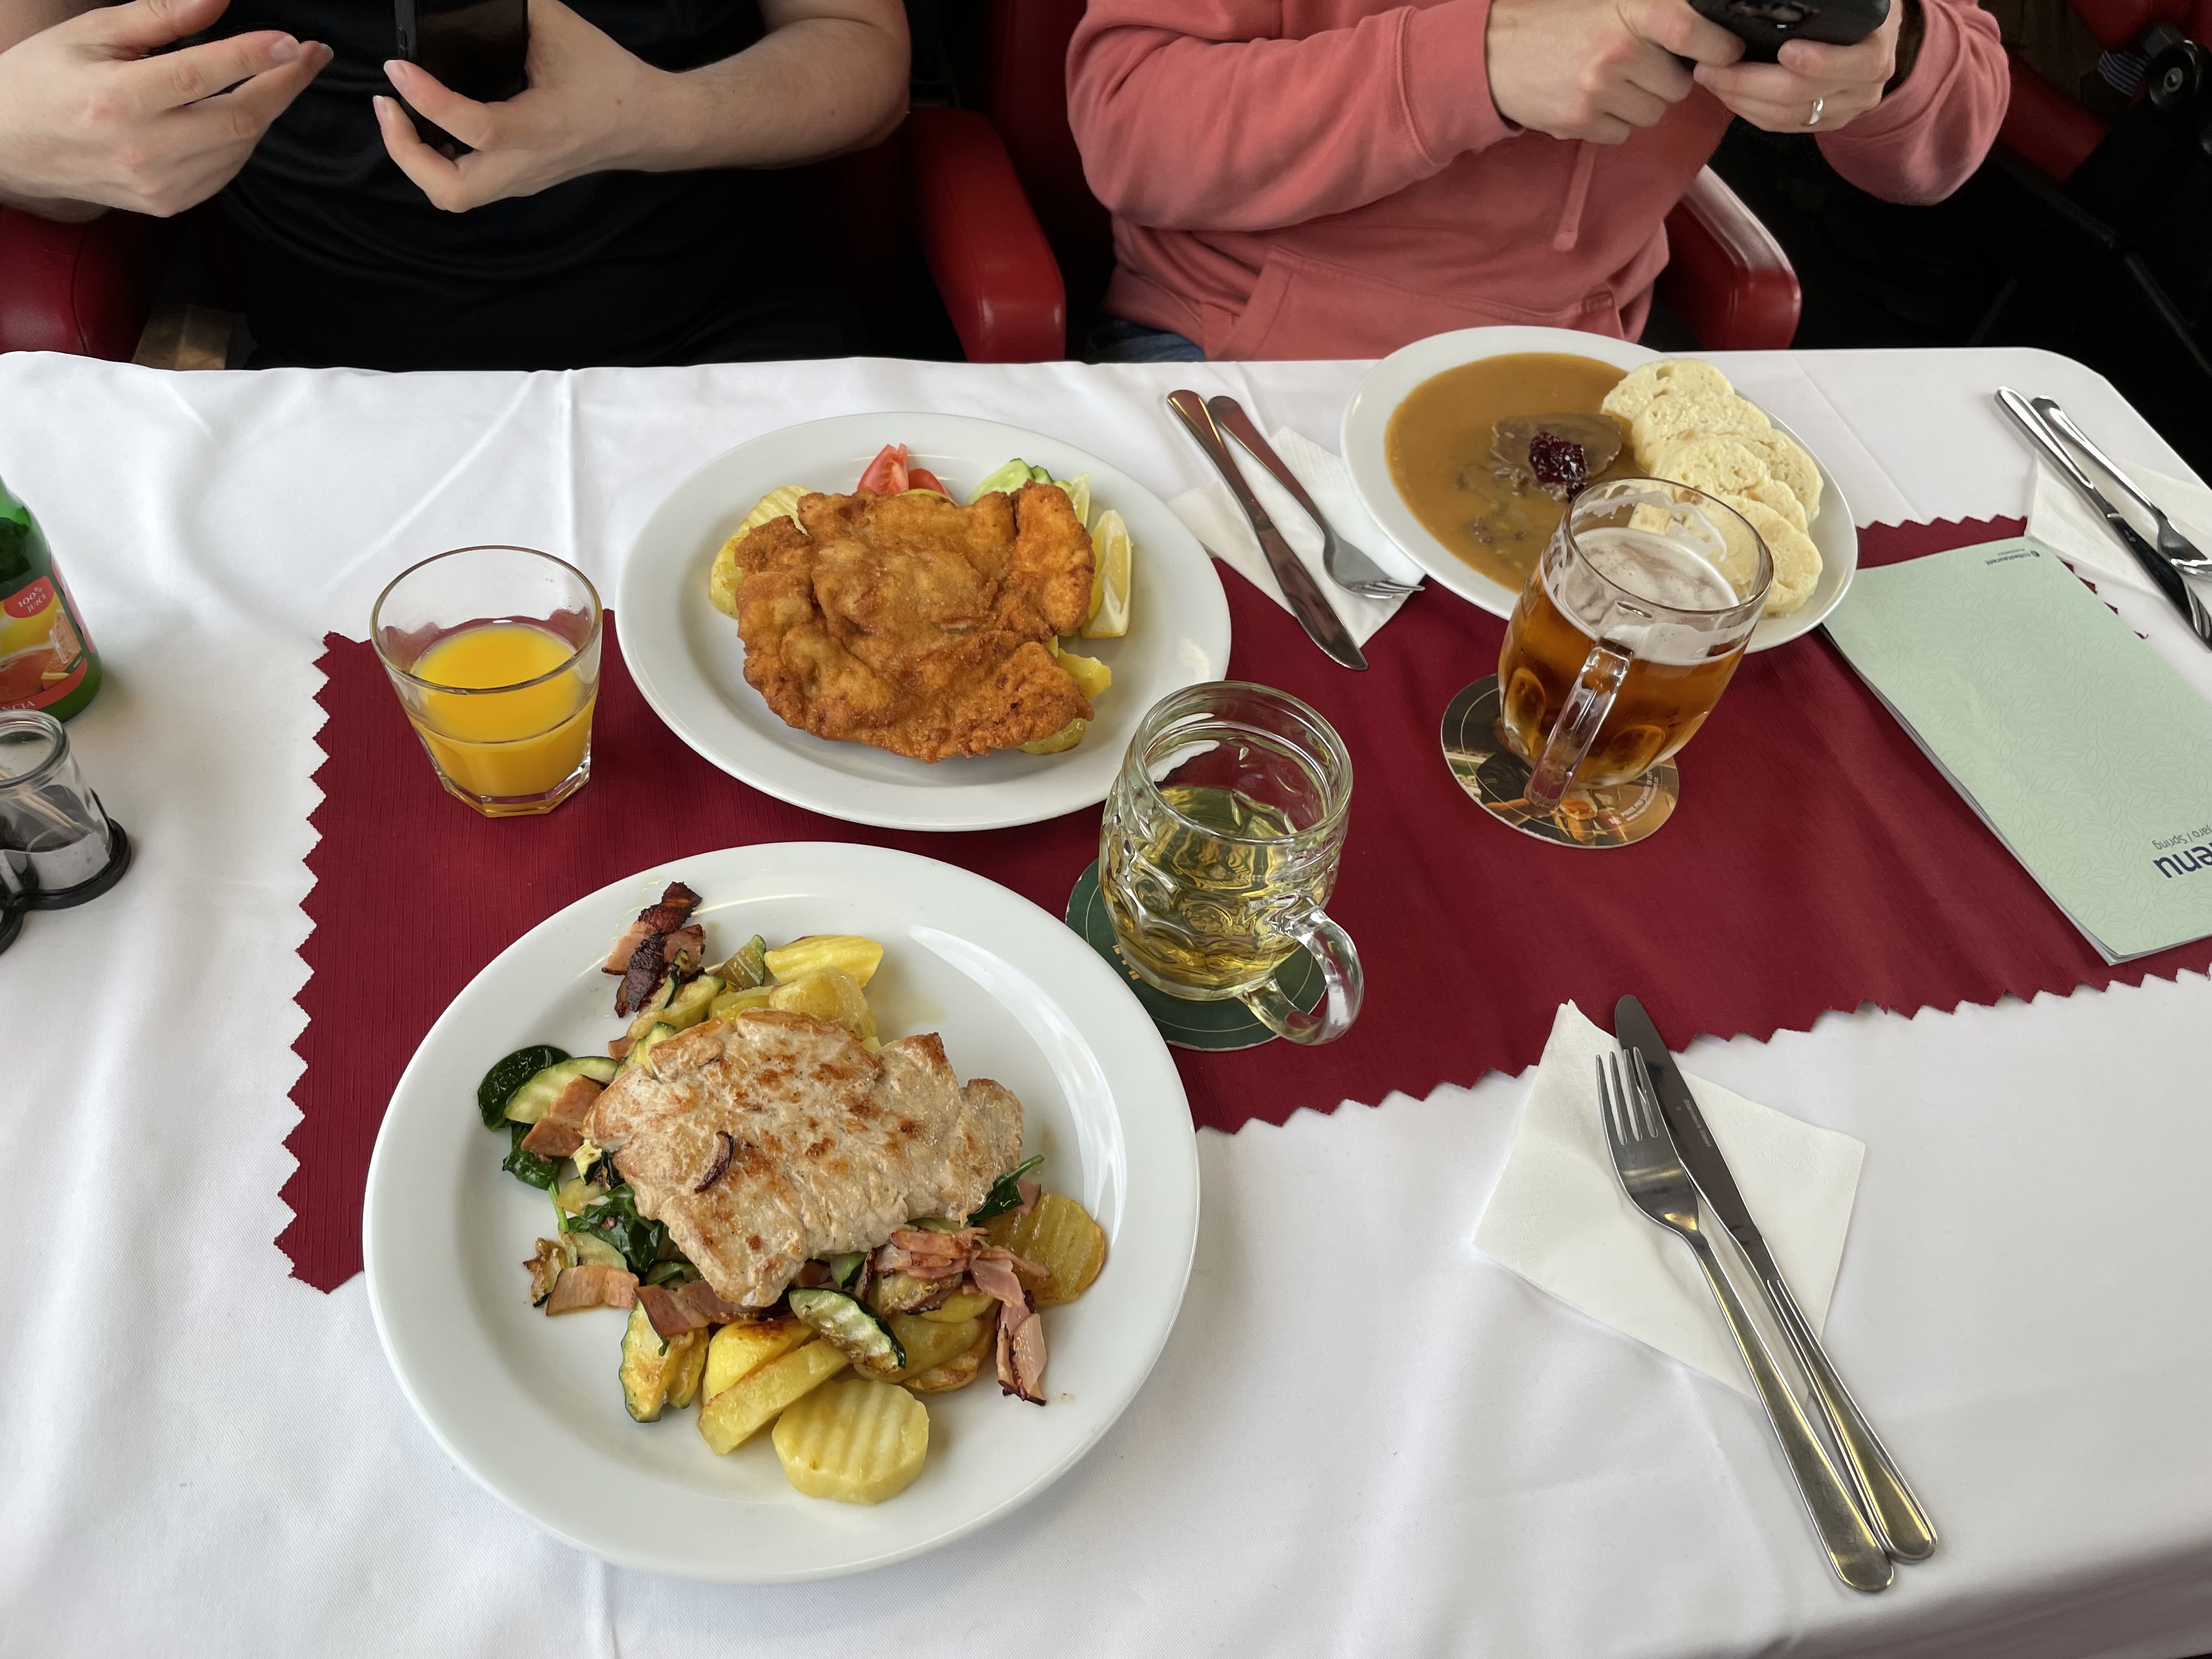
1560, 1219
2069, 528
1212, 515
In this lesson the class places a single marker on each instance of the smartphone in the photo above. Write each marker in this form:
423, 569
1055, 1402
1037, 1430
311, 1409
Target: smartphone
1765, 25
475, 47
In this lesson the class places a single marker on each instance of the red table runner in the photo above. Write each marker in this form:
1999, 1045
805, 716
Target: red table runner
1816, 860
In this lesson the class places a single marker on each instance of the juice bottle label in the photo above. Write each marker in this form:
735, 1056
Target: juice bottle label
44, 653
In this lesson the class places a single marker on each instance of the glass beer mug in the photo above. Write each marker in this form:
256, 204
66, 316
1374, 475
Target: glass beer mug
1219, 846
1628, 631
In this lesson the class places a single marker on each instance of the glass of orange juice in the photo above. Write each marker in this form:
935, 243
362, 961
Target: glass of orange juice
494, 652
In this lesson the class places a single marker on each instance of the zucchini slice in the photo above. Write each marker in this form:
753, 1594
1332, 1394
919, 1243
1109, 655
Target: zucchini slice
745, 969
849, 1326
683, 1008
529, 1102
644, 1367
661, 1031
501, 1082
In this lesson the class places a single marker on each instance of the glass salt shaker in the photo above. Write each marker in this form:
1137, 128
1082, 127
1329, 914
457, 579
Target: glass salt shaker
57, 845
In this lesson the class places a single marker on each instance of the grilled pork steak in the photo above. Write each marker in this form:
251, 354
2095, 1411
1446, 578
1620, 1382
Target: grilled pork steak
824, 1147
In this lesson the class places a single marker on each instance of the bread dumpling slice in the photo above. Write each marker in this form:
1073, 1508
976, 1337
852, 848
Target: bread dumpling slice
1669, 375
1667, 419
1797, 560
1786, 458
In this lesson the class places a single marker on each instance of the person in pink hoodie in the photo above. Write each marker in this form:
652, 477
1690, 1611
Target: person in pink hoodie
1335, 177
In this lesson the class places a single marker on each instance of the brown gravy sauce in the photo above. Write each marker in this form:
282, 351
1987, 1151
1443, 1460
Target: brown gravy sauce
1438, 446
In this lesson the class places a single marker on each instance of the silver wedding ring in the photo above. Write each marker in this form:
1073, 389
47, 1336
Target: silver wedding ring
1814, 119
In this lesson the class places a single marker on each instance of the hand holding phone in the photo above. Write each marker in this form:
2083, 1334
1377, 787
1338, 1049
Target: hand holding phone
1812, 87
1765, 25
478, 48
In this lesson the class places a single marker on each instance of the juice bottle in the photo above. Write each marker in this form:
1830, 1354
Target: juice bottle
47, 659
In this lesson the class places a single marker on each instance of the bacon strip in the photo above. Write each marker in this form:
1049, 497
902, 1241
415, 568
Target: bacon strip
643, 975
662, 933
592, 1284
691, 1307
626, 947
921, 1254
1021, 1333
684, 949
561, 1131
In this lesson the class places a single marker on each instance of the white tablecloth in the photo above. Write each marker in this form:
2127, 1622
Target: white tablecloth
1364, 1437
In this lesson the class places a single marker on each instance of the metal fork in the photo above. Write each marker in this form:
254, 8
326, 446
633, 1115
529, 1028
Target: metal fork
1652, 1174
1347, 567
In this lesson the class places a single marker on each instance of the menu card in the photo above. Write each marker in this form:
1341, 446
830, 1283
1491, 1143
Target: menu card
2088, 756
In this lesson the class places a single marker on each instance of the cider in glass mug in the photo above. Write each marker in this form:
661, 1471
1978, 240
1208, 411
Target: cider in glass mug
1219, 850
1628, 631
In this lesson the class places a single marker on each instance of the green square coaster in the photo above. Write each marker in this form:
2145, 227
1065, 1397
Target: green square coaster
1186, 1023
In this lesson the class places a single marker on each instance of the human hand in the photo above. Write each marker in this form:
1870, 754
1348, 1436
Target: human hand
581, 113
1597, 69
87, 117
1832, 84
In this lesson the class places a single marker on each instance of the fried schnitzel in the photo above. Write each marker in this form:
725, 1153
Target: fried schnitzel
914, 624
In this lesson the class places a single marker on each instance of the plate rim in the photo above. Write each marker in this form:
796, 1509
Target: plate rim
614, 1549
921, 804
1360, 437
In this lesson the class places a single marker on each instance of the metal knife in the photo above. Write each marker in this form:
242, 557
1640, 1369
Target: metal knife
2160, 570
1902, 1525
1300, 591
2191, 565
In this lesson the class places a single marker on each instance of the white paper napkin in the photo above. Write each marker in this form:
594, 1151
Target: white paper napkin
1560, 1219
2069, 528
1212, 515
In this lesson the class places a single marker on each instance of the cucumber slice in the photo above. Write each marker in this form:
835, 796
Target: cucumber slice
851, 1328
501, 1082
530, 1104
1006, 480
1041, 475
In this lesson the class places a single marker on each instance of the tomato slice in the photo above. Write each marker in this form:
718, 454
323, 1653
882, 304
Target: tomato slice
886, 474
921, 477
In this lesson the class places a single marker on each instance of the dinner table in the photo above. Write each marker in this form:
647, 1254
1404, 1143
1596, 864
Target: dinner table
1364, 1436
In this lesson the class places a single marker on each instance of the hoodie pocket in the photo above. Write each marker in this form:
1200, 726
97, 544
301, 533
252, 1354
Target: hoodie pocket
1304, 307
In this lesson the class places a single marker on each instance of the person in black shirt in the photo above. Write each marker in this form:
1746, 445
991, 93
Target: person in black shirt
626, 208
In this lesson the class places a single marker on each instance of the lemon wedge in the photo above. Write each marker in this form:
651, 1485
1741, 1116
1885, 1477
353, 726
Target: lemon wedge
1078, 496
1091, 676
1109, 579
1066, 737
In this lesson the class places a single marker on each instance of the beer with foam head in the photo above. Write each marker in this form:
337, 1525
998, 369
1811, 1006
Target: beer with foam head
1643, 602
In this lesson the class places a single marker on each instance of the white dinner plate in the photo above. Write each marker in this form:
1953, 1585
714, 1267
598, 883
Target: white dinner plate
687, 658
529, 1405
1367, 421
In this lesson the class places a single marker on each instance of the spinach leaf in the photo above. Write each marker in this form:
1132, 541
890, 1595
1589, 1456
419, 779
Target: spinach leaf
501, 1082
1005, 1192
531, 1168
679, 1272
615, 1219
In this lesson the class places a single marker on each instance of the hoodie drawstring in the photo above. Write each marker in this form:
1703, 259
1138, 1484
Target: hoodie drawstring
1571, 212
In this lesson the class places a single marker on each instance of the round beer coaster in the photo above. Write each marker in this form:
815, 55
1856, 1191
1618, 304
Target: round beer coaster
1184, 1021
1497, 780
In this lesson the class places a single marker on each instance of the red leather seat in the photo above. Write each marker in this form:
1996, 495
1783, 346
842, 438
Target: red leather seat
81, 288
